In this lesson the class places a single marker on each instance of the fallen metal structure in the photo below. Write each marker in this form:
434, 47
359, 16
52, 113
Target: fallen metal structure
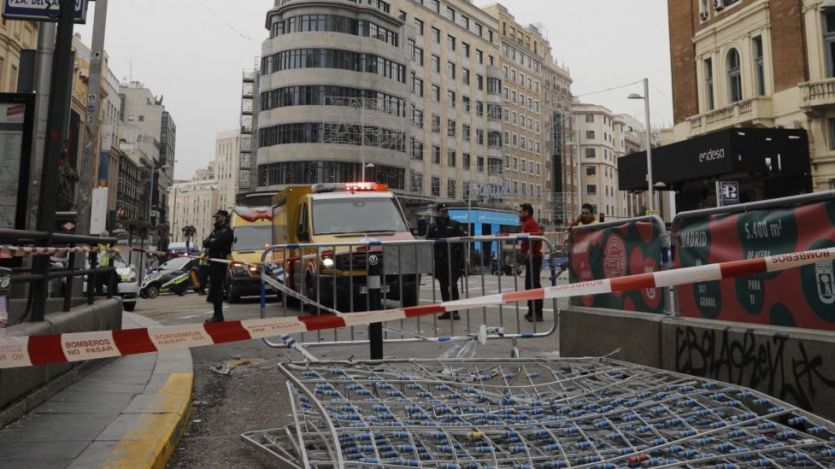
527, 413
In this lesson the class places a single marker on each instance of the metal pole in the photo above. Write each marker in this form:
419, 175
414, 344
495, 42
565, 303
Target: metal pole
43, 73
650, 182
56, 133
87, 170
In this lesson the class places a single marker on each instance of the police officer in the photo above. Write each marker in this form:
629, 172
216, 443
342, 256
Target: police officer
219, 246
447, 270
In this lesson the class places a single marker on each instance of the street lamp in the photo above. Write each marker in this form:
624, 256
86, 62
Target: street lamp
645, 97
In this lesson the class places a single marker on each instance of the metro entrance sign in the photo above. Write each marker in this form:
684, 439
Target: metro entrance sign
41, 10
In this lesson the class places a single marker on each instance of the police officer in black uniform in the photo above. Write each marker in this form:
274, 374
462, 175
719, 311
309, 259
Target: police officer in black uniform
447, 271
219, 246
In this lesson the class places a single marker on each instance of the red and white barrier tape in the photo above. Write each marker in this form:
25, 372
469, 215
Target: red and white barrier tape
44, 350
26, 251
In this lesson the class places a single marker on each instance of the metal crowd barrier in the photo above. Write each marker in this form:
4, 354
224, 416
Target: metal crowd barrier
609, 250
40, 271
374, 275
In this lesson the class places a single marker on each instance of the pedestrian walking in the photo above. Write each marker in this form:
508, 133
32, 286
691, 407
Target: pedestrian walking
532, 253
219, 246
447, 269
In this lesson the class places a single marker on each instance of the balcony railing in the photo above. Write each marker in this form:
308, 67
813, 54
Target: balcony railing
741, 112
818, 93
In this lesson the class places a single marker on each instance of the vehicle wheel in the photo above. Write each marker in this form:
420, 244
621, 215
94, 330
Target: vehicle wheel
152, 291
181, 292
129, 306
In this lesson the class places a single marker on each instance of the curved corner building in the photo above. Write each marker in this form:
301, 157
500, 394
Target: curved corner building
411, 89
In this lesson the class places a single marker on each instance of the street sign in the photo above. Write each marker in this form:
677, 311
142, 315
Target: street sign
41, 10
729, 192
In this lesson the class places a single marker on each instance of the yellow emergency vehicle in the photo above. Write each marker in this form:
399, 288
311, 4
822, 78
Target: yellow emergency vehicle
340, 213
252, 227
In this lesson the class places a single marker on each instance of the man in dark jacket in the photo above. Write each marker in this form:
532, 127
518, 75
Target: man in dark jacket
219, 246
447, 271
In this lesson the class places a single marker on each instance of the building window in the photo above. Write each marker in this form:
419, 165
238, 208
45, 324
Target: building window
832, 134
417, 86
419, 26
829, 40
465, 76
450, 69
591, 189
590, 118
436, 93
709, 101
734, 76
465, 104
465, 132
480, 164
436, 64
466, 48
450, 127
590, 153
436, 35
465, 161
450, 42
450, 188
436, 123
590, 134
450, 158
417, 183
436, 186
450, 95
759, 65
436, 155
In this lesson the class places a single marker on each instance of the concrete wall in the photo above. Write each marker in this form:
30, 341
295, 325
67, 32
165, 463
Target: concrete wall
17, 383
795, 365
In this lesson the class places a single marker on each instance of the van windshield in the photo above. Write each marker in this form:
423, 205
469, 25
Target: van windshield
253, 238
373, 215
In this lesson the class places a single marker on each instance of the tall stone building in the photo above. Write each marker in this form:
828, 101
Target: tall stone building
144, 115
756, 63
536, 106
193, 203
15, 36
605, 137
408, 93
226, 167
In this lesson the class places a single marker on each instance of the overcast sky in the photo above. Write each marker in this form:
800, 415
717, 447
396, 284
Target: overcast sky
193, 53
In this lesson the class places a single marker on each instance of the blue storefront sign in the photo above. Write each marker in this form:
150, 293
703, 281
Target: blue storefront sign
729, 193
41, 10
486, 223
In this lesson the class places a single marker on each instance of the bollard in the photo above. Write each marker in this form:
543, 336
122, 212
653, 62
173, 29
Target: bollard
5, 284
375, 330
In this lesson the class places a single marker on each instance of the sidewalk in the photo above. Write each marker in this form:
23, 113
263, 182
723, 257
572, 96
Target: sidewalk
128, 414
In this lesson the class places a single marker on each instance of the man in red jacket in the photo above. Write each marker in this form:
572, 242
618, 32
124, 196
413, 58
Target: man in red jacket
532, 253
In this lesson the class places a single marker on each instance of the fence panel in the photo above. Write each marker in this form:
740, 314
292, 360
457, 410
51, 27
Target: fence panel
345, 276
615, 249
799, 297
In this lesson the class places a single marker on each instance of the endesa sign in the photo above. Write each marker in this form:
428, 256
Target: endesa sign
42, 10
803, 297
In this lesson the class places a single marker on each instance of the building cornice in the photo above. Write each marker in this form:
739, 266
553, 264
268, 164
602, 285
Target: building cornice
730, 20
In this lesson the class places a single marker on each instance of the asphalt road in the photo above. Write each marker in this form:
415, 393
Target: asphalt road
238, 387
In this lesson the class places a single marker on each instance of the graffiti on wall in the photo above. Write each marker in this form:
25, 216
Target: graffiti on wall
775, 364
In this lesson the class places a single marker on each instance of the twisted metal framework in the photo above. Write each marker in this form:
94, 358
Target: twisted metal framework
535, 414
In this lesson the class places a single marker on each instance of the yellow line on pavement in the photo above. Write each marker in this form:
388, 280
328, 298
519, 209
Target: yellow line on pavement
151, 441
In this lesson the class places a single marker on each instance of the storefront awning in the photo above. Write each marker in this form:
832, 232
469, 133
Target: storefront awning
763, 151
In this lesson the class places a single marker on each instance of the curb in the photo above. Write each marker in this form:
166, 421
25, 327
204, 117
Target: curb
160, 415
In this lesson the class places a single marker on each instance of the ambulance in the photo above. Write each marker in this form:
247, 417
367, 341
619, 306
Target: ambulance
338, 276
252, 227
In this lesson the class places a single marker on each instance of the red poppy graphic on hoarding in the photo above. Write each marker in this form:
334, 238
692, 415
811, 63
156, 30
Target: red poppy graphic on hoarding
615, 251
